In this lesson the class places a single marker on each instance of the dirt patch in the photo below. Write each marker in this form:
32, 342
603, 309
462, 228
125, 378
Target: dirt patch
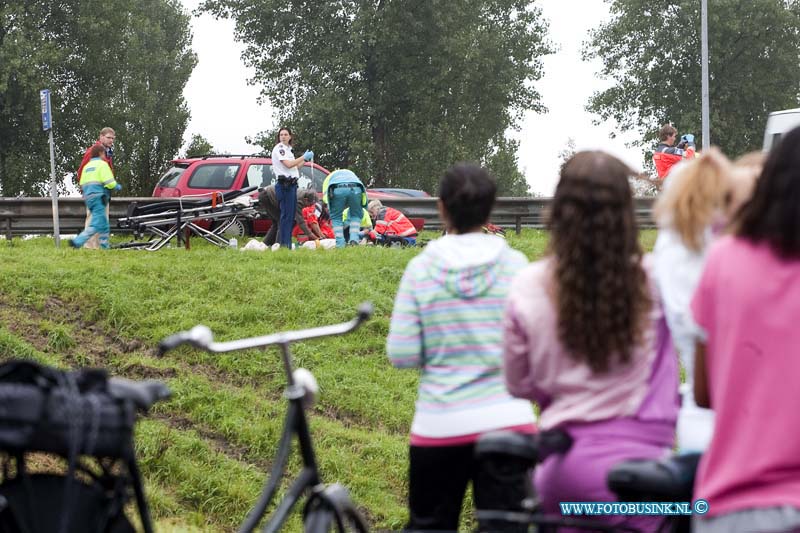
217, 441
140, 371
90, 344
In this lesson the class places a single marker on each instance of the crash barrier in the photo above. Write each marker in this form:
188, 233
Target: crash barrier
34, 216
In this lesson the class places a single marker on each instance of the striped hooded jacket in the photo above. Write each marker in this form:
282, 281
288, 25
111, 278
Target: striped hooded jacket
447, 321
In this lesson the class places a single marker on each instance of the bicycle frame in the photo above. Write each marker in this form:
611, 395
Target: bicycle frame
308, 478
295, 423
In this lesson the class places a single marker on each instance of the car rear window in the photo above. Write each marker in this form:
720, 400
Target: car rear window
171, 176
214, 176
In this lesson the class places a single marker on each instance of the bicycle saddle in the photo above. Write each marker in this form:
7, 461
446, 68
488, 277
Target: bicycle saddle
535, 448
669, 479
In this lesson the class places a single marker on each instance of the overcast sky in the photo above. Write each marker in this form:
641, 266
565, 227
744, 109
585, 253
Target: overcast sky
224, 107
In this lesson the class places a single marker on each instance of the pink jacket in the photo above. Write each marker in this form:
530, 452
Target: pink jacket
538, 368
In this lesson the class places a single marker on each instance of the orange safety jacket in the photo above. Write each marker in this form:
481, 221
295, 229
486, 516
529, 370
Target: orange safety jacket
666, 156
391, 221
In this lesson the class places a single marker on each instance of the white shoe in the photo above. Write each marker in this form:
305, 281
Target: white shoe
275, 246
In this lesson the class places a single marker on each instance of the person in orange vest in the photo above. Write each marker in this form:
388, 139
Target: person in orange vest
317, 219
667, 154
390, 225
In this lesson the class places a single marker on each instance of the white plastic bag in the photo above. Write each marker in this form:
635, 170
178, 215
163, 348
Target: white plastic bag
325, 244
254, 245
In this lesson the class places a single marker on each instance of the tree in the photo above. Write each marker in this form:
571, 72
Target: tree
198, 146
567, 152
651, 51
114, 63
397, 91
504, 166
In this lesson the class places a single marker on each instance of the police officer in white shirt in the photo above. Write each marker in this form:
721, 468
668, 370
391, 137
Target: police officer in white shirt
287, 170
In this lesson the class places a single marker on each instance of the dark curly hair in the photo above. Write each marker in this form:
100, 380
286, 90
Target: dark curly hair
601, 290
772, 215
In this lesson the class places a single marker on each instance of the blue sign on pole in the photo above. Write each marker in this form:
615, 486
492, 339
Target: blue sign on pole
47, 114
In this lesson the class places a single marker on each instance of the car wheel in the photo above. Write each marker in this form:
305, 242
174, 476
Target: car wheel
239, 228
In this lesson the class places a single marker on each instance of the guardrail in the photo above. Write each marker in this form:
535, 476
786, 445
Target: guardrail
34, 216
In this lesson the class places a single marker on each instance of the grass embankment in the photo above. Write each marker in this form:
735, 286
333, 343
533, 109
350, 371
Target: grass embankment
205, 453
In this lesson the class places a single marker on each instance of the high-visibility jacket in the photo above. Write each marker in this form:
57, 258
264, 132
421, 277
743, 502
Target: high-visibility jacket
392, 222
366, 221
666, 156
311, 215
97, 171
342, 176
86, 159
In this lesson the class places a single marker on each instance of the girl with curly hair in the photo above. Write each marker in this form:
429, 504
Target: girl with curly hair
586, 339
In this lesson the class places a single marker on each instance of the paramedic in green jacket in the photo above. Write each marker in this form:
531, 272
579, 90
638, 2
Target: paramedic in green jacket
96, 181
342, 189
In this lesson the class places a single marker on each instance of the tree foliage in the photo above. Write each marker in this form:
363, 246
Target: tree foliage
198, 146
112, 63
395, 90
651, 50
504, 166
566, 153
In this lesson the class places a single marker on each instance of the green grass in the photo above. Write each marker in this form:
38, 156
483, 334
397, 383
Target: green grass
205, 453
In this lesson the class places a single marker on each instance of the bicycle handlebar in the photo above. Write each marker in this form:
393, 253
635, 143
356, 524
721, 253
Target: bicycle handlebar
201, 336
142, 393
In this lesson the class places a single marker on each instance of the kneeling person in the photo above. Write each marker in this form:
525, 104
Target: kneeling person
391, 225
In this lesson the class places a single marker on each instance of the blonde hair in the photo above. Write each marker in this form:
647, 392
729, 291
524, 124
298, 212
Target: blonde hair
107, 130
695, 193
374, 204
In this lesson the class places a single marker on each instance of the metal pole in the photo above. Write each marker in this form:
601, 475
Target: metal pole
54, 191
704, 63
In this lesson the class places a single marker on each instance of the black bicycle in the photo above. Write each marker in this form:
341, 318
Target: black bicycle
506, 455
328, 507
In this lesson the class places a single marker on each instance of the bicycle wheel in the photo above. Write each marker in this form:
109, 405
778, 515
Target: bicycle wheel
320, 520
324, 520
332, 512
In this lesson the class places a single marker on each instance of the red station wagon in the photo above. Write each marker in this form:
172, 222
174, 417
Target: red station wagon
207, 174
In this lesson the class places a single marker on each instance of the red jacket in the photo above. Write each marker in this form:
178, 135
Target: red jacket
311, 214
392, 222
666, 156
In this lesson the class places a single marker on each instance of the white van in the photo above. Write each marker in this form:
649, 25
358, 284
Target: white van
779, 123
